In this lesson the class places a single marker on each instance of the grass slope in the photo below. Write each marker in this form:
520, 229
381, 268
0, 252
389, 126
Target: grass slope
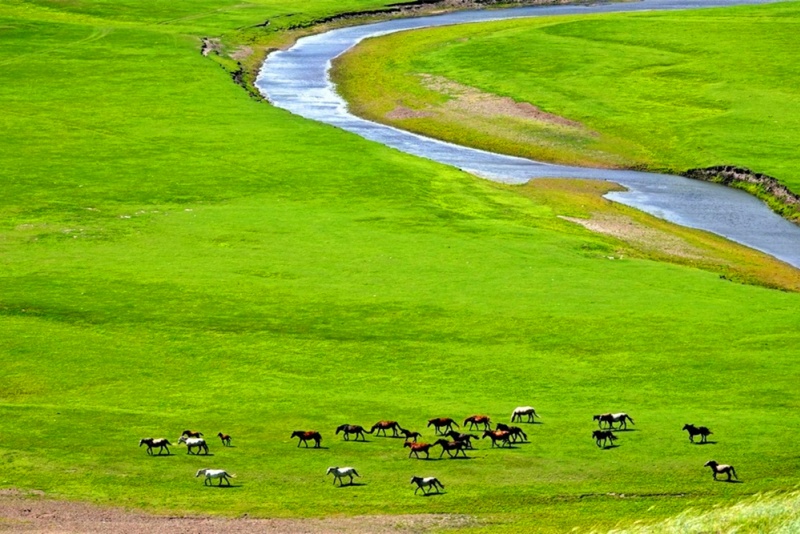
670, 90
176, 255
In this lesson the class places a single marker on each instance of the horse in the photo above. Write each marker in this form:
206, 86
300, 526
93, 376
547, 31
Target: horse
151, 443
226, 439
410, 435
514, 432
717, 469
192, 434
358, 430
466, 438
450, 446
476, 420
341, 472
603, 435
306, 435
382, 426
417, 448
524, 410
427, 482
503, 436
194, 443
693, 431
611, 418
442, 422
221, 474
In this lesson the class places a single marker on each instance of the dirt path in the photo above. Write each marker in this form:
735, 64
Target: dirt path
33, 513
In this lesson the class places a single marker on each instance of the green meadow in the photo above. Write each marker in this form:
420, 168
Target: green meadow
175, 254
666, 91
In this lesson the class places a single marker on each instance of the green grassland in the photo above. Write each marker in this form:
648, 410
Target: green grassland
175, 254
656, 90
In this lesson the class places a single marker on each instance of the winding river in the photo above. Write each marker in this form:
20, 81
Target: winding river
297, 80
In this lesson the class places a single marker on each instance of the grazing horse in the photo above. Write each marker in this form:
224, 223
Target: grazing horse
226, 439
603, 435
221, 474
693, 431
513, 431
358, 430
477, 420
194, 443
410, 435
519, 411
440, 423
427, 482
717, 469
382, 426
503, 436
306, 435
611, 418
450, 446
192, 434
466, 438
151, 443
417, 448
341, 472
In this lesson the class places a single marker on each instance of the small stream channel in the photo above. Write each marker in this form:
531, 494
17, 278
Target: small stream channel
297, 80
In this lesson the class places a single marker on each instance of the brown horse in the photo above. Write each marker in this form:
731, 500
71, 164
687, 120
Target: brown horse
192, 434
358, 430
417, 448
717, 469
383, 426
449, 446
603, 435
151, 443
514, 431
466, 438
693, 431
440, 423
410, 435
477, 420
306, 435
226, 439
503, 436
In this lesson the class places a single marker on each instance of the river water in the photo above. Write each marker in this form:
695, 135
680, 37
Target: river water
298, 80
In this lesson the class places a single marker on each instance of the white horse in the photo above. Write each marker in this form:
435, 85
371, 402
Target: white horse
221, 474
194, 443
524, 410
340, 472
427, 482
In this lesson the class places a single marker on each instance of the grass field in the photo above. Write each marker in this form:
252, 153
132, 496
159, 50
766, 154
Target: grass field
657, 90
175, 254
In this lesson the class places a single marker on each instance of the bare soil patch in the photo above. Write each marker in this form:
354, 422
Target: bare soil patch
34, 513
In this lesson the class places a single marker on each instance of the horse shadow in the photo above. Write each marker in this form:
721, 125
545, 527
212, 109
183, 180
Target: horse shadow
610, 447
625, 430
357, 440
705, 443
729, 481
352, 484
460, 458
163, 455
225, 486
203, 455
430, 459
434, 493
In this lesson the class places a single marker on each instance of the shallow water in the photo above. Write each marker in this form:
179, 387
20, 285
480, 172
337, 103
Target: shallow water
297, 80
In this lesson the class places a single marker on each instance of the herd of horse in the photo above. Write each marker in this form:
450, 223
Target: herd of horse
452, 442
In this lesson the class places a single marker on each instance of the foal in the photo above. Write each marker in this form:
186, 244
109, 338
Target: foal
306, 435
358, 430
427, 482
417, 448
477, 420
514, 432
440, 423
717, 469
693, 431
226, 439
466, 438
151, 443
410, 435
603, 435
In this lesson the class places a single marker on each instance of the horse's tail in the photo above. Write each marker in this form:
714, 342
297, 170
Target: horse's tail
230, 475
734, 473
630, 419
356, 473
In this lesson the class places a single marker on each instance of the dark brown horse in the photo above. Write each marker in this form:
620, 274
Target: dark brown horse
503, 436
466, 438
192, 434
152, 443
477, 420
440, 424
358, 430
410, 435
449, 446
417, 448
306, 435
383, 426
514, 431
603, 435
718, 469
693, 431
226, 439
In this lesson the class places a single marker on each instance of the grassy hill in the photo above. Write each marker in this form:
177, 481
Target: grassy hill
175, 254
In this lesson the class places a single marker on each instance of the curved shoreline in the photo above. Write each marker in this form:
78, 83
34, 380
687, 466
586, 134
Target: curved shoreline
298, 80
